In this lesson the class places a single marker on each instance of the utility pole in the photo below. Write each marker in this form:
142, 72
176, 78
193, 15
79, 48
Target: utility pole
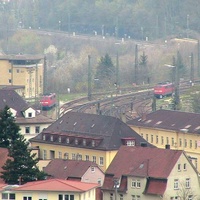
89, 80
45, 76
192, 68
117, 74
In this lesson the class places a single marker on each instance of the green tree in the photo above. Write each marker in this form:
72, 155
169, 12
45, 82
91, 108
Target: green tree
106, 70
9, 131
21, 166
143, 68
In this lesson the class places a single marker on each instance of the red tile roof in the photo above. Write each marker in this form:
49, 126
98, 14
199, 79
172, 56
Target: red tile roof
57, 185
68, 168
144, 162
156, 186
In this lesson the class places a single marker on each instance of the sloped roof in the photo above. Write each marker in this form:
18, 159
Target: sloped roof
169, 120
109, 129
3, 158
13, 100
57, 185
143, 162
68, 168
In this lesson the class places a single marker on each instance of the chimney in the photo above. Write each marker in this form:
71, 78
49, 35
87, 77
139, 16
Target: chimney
167, 146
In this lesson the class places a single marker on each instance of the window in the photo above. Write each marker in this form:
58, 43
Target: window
99, 181
67, 140
27, 129
79, 156
51, 138
156, 139
73, 156
135, 197
162, 140
190, 143
9, 81
179, 167
187, 183
121, 197
130, 143
29, 115
93, 143
92, 169
176, 184
185, 143
8, 196
44, 154
180, 142
111, 196
84, 142
27, 198
135, 183
76, 141
17, 70
87, 158
147, 137
59, 154
37, 129
184, 166
10, 71
101, 161
94, 159
151, 138
44, 137
59, 139
66, 156
65, 197
190, 197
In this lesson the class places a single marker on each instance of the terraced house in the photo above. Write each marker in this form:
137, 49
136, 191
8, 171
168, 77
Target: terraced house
179, 130
82, 136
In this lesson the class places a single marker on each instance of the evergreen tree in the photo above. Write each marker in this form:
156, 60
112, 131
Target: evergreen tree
9, 131
105, 69
143, 68
21, 166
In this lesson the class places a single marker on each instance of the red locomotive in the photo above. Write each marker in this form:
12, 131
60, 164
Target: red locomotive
48, 101
163, 89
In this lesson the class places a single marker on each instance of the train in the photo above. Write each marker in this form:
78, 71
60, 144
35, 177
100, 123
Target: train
48, 101
163, 89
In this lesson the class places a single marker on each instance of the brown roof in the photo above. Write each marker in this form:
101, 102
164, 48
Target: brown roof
144, 162
68, 168
169, 120
13, 100
107, 131
57, 185
156, 186
3, 158
141, 162
21, 57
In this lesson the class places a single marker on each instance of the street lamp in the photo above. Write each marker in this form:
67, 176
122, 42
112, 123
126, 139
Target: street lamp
59, 25
176, 92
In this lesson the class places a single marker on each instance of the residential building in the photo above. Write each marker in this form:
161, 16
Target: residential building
83, 136
24, 71
30, 120
79, 170
50, 190
180, 130
145, 173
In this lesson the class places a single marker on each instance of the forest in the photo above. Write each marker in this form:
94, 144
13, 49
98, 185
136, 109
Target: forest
147, 33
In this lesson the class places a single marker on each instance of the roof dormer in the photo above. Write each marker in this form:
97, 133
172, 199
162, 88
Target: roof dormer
29, 113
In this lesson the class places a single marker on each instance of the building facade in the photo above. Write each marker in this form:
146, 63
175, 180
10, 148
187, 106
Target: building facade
179, 130
151, 174
82, 136
25, 71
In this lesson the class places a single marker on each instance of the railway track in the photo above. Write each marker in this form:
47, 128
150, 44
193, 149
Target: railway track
126, 106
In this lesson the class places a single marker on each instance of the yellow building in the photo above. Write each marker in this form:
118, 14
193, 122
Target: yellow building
178, 130
50, 190
24, 71
82, 136
151, 174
